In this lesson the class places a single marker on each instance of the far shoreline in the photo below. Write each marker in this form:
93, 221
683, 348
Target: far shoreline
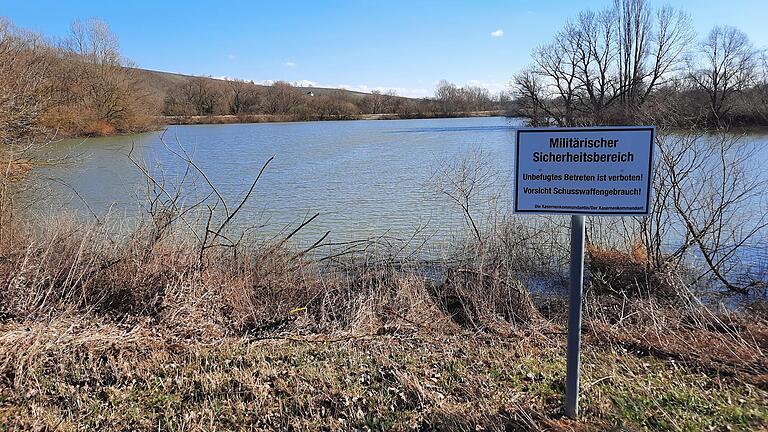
160, 123
290, 118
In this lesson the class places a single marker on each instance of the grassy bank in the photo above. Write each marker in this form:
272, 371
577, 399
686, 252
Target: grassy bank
84, 375
142, 332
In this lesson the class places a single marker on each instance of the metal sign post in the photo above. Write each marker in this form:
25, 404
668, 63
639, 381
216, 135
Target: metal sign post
599, 171
574, 316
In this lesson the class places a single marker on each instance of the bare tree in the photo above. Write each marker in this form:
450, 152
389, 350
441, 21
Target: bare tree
94, 42
617, 56
708, 196
107, 86
281, 97
373, 103
760, 93
527, 88
557, 61
453, 99
447, 96
591, 39
333, 106
477, 98
729, 63
633, 35
28, 90
243, 96
198, 96
671, 39
391, 99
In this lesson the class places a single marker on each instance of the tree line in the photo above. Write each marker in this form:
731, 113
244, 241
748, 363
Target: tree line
633, 63
628, 63
202, 96
81, 85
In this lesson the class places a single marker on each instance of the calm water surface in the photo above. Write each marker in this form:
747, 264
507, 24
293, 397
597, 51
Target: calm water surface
365, 178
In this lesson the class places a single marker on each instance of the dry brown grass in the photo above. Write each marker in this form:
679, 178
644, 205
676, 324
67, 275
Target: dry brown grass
13, 169
722, 343
101, 331
74, 373
69, 268
622, 273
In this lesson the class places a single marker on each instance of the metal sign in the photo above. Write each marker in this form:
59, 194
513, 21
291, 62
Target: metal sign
590, 171
582, 171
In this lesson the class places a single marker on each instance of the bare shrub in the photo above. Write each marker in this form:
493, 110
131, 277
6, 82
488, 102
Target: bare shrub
489, 275
471, 182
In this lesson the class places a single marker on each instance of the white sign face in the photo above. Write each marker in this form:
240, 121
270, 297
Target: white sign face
590, 171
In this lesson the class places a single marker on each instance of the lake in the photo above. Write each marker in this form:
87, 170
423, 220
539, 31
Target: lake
364, 178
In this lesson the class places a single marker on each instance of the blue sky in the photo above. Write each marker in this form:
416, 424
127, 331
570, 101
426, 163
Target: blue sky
403, 45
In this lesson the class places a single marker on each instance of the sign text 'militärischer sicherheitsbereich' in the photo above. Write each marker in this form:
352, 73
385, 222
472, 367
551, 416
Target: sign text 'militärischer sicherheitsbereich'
584, 170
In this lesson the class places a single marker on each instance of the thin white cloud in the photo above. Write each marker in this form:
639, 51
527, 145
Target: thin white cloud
232, 57
493, 87
401, 91
304, 83
298, 83
497, 33
289, 64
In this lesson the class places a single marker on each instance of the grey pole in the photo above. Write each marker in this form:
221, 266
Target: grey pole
574, 317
